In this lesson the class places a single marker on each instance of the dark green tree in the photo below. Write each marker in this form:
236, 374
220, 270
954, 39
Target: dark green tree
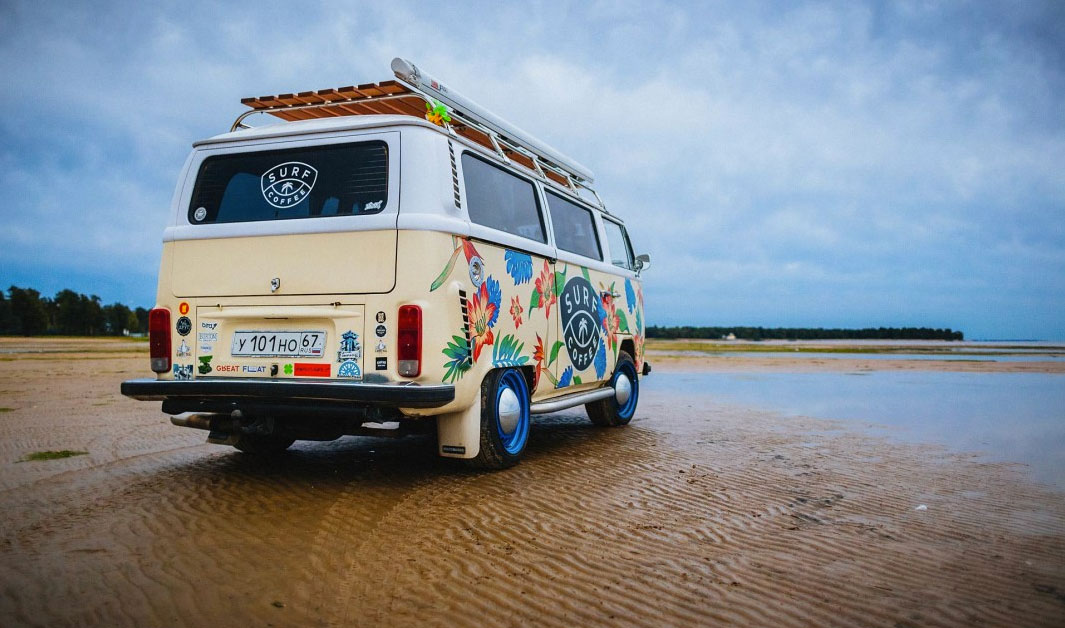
142, 319
8, 324
68, 317
119, 319
29, 311
95, 321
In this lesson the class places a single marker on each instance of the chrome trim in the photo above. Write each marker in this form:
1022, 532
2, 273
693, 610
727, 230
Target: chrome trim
568, 401
195, 420
622, 389
509, 410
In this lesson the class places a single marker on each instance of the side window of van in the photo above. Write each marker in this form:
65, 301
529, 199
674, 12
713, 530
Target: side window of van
620, 251
495, 198
574, 227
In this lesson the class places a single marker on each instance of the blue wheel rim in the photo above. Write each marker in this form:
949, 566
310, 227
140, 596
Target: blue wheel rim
514, 442
627, 409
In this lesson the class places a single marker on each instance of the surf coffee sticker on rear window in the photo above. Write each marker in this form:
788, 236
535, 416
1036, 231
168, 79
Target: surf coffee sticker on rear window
580, 326
287, 184
318, 181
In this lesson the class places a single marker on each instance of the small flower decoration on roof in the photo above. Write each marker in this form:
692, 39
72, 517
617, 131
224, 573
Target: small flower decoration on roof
437, 113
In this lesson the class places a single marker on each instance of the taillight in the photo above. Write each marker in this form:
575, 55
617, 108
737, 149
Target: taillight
159, 339
409, 337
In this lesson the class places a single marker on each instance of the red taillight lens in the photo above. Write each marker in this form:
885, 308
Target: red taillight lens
159, 339
410, 341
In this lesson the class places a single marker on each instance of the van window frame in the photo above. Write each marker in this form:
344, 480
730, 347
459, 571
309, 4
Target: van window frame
197, 180
504, 235
181, 229
630, 253
592, 213
550, 250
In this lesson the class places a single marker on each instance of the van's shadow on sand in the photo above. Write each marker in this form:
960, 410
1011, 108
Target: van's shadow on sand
389, 461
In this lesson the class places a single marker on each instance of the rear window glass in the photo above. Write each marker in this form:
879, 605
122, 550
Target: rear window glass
620, 251
574, 227
497, 199
308, 182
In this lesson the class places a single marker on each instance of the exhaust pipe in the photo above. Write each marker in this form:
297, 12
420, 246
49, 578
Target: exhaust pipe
195, 420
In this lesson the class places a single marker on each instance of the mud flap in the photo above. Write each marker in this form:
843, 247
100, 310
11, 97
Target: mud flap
458, 434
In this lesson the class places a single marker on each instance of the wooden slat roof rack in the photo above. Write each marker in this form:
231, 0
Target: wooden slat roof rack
408, 95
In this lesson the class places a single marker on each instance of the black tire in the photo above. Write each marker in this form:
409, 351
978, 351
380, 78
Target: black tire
608, 412
258, 445
500, 449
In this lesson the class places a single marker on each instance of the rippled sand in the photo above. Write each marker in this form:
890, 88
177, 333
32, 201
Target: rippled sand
695, 514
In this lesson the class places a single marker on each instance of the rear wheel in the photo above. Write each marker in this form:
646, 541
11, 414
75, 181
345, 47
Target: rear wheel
259, 445
504, 420
618, 409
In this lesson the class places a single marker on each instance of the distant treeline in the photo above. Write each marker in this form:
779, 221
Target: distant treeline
805, 333
23, 311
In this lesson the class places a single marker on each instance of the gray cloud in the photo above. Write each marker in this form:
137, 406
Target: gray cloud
815, 164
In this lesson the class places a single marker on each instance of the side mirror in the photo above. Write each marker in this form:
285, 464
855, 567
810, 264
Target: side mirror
643, 262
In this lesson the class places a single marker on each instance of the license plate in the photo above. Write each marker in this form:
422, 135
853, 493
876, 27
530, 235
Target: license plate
277, 344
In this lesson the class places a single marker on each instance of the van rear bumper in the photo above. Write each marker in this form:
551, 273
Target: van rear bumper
330, 392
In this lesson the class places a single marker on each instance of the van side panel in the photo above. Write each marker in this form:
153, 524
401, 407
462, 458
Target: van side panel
593, 319
486, 313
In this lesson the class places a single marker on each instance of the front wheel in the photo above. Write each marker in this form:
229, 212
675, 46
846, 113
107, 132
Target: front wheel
504, 420
618, 409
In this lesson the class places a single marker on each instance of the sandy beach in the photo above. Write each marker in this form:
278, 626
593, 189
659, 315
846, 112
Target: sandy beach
698, 513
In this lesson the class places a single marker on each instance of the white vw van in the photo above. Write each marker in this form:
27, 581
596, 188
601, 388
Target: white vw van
390, 256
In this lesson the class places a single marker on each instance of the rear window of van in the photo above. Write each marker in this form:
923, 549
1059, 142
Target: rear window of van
308, 182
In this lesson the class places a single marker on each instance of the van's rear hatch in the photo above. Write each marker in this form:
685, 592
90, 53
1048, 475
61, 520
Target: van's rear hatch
314, 219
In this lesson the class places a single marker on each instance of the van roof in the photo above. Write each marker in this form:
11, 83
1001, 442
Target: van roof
319, 125
412, 95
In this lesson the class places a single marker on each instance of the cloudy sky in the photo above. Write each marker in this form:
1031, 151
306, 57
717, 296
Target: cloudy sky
785, 164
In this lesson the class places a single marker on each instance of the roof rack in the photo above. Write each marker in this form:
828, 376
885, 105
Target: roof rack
409, 94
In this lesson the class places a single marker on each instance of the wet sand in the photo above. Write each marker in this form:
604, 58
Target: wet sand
667, 361
695, 514
840, 356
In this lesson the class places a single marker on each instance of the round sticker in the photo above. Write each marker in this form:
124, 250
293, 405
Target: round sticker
200, 214
288, 184
184, 325
183, 308
380, 331
579, 305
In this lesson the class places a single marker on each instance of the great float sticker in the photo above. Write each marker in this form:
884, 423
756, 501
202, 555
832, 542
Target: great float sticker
184, 325
287, 184
349, 369
580, 327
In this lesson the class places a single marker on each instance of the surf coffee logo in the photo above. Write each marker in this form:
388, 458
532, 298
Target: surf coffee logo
287, 184
580, 327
